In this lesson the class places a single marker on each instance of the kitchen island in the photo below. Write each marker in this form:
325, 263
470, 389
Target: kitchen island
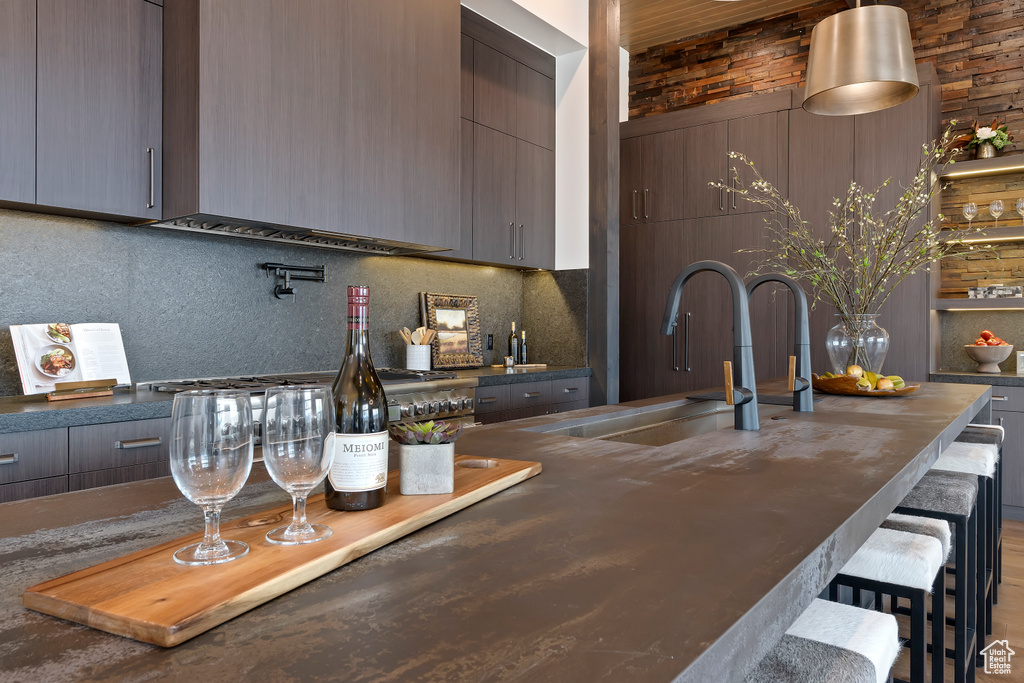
618, 562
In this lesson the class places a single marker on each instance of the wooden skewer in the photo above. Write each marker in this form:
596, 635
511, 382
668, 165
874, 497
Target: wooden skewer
791, 382
729, 398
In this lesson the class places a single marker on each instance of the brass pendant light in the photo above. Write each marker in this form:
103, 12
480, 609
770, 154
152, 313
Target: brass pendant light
861, 60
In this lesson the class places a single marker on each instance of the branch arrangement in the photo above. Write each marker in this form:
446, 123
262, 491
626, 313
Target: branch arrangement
860, 256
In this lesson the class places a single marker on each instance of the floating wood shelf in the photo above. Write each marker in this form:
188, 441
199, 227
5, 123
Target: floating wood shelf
1008, 304
975, 168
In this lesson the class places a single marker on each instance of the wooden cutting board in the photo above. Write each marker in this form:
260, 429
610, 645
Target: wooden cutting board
149, 597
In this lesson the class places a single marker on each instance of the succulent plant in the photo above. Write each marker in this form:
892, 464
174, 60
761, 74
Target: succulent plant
426, 433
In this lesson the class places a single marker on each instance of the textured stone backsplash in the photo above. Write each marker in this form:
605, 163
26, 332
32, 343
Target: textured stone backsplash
962, 327
198, 305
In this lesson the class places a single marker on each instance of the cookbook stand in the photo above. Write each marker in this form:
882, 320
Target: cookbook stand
63, 391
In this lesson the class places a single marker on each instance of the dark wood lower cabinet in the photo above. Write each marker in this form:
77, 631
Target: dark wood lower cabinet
530, 399
1013, 458
118, 475
33, 489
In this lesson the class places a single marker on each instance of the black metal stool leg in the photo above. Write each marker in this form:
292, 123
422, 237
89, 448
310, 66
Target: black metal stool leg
939, 627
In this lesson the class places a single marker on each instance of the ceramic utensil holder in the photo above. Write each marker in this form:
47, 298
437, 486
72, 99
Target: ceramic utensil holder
417, 356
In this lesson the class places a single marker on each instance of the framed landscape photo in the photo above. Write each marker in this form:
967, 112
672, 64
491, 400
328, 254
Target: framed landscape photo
456, 319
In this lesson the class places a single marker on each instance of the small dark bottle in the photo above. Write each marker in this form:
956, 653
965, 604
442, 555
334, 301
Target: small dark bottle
358, 477
522, 349
513, 345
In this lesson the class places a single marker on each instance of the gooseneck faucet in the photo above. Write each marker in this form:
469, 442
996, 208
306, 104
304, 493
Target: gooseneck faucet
803, 400
742, 352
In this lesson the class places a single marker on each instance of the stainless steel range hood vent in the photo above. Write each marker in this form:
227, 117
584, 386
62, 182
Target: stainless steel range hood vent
219, 225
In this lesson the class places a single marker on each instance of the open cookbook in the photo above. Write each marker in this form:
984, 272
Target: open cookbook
59, 352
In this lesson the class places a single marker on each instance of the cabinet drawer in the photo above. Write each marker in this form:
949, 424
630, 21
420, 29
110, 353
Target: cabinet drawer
573, 389
33, 489
529, 394
33, 455
1008, 398
118, 475
491, 399
118, 444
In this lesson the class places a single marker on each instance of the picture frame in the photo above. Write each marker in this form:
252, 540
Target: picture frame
456, 320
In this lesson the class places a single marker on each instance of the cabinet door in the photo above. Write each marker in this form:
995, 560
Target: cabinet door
535, 107
18, 102
815, 178
467, 77
465, 250
494, 89
881, 156
99, 106
1013, 457
664, 160
650, 257
708, 298
535, 205
707, 161
757, 138
494, 197
630, 182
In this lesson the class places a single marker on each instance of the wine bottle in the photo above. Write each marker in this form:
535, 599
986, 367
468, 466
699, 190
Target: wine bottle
522, 348
513, 344
358, 476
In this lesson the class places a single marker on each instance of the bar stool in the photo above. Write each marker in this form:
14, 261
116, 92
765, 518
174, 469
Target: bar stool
952, 498
993, 435
831, 642
904, 565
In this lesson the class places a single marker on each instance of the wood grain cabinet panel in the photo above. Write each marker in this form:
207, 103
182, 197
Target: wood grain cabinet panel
492, 399
119, 444
571, 390
18, 101
1013, 457
118, 475
664, 162
530, 394
465, 250
535, 107
99, 91
466, 55
495, 237
535, 205
33, 455
33, 489
494, 89
757, 138
1008, 399
707, 160
631, 184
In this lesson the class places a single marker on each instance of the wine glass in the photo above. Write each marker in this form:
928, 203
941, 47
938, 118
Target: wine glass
211, 455
1020, 209
296, 423
996, 209
970, 213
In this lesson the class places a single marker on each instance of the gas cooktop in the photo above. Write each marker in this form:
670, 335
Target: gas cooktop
259, 383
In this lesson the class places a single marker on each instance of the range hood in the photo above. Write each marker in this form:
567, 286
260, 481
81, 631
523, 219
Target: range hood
219, 225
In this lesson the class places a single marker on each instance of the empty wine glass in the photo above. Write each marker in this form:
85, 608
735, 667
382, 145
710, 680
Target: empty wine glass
211, 455
996, 209
296, 423
970, 213
1020, 209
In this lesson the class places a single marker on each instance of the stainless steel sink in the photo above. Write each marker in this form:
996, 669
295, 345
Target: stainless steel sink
660, 425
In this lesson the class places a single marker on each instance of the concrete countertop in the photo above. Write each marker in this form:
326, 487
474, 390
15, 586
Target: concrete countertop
618, 562
31, 413
1003, 379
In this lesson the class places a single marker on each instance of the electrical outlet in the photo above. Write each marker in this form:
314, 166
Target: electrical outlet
490, 342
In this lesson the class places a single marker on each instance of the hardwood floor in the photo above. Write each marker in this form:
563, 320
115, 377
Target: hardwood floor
1007, 617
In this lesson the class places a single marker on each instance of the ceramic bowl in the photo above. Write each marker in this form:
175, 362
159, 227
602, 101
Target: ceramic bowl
988, 358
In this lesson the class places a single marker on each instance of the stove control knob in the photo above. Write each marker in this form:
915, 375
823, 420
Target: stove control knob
446, 406
421, 408
408, 410
464, 404
433, 407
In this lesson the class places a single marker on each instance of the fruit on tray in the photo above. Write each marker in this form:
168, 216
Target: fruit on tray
986, 338
870, 380
855, 371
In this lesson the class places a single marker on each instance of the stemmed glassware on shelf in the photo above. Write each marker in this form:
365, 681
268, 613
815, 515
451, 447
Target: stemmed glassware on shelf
296, 423
996, 209
970, 213
1020, 209
211, 455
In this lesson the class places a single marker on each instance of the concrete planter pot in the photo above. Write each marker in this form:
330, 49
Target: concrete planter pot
426, 470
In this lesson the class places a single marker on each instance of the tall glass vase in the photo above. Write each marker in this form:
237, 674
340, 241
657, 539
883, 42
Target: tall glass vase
857, 340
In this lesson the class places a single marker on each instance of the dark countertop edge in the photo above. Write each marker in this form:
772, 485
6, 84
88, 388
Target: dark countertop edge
1003, 379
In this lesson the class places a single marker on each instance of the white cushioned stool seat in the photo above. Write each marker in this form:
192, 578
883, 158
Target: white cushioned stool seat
897, 557
832, 643
972, 458
926, 526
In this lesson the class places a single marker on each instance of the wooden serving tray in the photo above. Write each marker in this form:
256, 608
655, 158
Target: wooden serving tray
149, 597
847, 386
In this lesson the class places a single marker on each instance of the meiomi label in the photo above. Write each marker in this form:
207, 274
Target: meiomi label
360, 461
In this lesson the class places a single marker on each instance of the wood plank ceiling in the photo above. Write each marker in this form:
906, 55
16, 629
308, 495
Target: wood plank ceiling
645, 23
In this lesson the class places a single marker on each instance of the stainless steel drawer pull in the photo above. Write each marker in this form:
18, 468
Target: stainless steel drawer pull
8, 459
512, 228
487, 399
721, 199
634, 204
646, 195
1000, 398
139, 443
569, 390
531, 394
152, 177
522, 242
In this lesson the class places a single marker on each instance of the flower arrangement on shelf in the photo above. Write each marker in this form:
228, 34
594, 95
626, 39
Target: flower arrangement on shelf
996, 135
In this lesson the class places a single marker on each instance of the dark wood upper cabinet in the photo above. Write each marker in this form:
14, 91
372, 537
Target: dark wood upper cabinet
339, 117
18, 101
98, 136
465, 250
664, 160
757, 138
707, 161
495, 237
535, 107
467, 77
631, 185
494, 89
535, 205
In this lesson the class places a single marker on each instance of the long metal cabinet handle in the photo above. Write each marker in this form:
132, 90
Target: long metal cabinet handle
721, 199
734, 194
1000, 424
522, 242
8, 459
634, 204
646, 193
512, 228
569, 390
686, 343
139, 443
487, 399
675, 348
1000, 398
152, 177
531, 394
